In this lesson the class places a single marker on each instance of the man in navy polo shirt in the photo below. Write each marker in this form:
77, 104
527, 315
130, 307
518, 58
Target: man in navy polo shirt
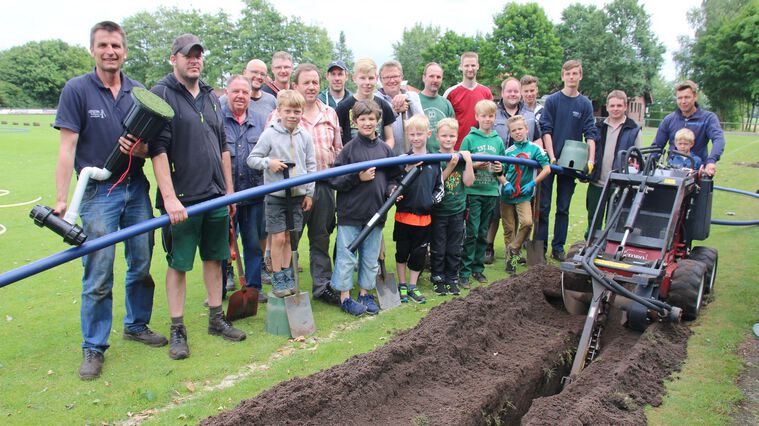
89, 117
704, 124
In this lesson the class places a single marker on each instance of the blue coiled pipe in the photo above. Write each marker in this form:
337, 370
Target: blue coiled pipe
736, 222
90, 246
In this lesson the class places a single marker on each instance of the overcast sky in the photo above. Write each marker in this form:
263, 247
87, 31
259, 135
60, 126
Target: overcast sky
373, 36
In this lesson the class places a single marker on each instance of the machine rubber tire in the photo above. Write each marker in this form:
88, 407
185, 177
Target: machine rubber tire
709, 257
686, 289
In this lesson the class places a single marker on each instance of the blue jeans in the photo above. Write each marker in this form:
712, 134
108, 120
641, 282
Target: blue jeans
565, 188
250, 221
102, 214
345, 260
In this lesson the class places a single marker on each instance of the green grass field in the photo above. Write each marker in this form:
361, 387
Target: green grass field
39, 318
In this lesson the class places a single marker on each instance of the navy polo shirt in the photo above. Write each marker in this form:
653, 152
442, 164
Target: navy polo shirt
88, 108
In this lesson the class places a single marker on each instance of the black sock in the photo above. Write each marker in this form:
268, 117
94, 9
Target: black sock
177, 320
215, 310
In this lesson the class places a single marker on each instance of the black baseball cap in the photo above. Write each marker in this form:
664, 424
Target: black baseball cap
184, 43
339, 64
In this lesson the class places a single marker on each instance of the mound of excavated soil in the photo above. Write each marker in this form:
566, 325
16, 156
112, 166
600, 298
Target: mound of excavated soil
615, 387
482, 359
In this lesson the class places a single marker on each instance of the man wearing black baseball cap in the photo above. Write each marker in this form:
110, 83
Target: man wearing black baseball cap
337, 75
184, 44
192, 164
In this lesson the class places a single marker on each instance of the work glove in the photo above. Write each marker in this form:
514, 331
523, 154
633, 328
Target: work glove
590, 167
528, 188
507, 190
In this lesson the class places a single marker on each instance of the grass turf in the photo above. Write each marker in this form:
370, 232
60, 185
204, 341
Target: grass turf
40, 352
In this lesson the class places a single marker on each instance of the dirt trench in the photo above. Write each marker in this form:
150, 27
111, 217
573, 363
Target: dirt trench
494, 357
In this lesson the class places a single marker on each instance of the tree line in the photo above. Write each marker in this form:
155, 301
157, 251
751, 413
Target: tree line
723, 58
615, 43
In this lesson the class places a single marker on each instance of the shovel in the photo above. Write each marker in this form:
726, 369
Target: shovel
300, 317
243, 303
535, 254
387, 289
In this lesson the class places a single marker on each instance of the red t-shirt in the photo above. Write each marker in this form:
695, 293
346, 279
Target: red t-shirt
463, 100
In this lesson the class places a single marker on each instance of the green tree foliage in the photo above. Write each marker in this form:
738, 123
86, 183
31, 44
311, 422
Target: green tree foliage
34, 74
663, 97
615, 44
150, 36
262, 30
723, 58
524, 41
414, 40
447, 52
12, 96
342, 51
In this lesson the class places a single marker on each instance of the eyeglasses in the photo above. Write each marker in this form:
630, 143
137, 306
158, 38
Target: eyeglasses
391, 77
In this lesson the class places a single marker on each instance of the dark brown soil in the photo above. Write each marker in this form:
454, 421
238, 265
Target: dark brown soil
483, 359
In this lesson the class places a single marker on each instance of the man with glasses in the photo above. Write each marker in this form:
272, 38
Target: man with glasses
405, 104
261, 103
282, 69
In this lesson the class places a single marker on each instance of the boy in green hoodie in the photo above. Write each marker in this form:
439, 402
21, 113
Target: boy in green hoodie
518, 189
482, 196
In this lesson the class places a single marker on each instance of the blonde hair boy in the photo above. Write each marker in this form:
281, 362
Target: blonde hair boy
291, 99
484, 107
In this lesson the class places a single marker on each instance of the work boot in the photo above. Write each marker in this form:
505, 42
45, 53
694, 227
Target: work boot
465, 283
92, 364
368, 301
559, 255
147, 336
279, 284
219, 326
489, 255
480, 277
178, 348
289, 280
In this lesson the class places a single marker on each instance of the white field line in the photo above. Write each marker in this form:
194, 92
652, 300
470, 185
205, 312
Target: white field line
4, 192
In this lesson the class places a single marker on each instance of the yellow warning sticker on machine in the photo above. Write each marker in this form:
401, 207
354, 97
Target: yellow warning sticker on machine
611, 264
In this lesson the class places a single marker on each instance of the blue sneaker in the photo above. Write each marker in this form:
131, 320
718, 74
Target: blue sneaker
368, 301
352, 307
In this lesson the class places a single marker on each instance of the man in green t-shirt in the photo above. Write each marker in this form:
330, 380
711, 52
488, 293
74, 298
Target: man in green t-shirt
435, 106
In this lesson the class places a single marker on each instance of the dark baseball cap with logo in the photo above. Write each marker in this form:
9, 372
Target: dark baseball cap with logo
184, 43
337, 64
